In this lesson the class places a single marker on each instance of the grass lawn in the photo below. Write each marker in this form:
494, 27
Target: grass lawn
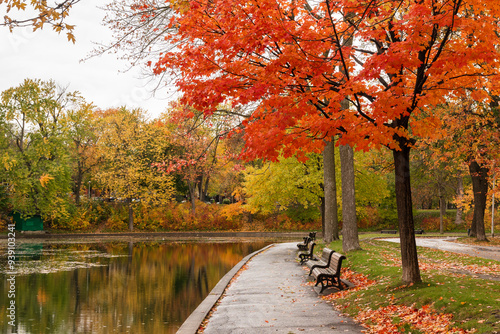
458, 293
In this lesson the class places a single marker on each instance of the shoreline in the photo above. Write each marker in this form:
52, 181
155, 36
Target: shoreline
144, 236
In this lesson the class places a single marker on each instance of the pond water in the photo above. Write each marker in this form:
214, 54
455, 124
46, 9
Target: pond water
111, 287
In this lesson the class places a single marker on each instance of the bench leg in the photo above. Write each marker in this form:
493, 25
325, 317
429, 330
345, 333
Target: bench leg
329, 281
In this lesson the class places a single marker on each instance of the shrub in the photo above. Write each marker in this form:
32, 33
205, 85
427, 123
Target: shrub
300, 213
282, 222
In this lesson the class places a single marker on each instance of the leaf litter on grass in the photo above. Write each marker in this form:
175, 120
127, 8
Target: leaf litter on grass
394, 318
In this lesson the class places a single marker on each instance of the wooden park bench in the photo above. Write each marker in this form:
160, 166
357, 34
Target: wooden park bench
329, 276
304, 245
308, 254
322, 262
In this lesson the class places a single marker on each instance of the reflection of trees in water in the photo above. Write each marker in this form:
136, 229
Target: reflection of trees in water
152, 290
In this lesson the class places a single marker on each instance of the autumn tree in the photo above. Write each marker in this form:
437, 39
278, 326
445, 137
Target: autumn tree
36, 14
36, 162
227, 176
472, 139
278, 185
435, 176
83, 135
129, 146
293, 59
196, 148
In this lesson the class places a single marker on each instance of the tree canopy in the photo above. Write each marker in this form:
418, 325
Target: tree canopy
296, 60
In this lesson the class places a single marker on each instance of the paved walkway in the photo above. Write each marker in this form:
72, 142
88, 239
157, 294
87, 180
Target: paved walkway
445, 244
269, 296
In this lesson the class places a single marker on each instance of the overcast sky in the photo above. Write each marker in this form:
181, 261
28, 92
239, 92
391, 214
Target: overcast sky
102, 80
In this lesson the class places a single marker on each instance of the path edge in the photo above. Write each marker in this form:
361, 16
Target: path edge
195, 319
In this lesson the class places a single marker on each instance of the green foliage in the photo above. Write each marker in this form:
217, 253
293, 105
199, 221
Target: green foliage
372, 187
35, 158
377, 218
303, 214
278, 185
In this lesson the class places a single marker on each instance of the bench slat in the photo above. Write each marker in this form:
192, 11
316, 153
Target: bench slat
329, 275
324, 261
309, 255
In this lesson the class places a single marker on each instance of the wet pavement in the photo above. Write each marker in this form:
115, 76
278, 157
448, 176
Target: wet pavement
269, 296
447, 244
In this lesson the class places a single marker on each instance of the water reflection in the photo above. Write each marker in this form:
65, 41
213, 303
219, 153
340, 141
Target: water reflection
114, 287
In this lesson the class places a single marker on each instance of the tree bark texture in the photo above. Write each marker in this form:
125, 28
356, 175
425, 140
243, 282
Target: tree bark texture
192, 195
409, 259
331, 231
322, 208
350, 240
479, 177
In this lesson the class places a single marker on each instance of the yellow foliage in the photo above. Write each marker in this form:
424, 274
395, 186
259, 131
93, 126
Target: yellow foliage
129, 147
230, 211
44, 179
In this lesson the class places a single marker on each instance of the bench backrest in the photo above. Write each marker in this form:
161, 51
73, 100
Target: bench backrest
311, 248
336, 262
326, 255
307, 240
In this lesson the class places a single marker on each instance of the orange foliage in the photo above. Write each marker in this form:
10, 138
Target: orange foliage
291, 59
425, 319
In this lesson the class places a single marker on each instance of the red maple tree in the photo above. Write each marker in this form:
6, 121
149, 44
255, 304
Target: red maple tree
297, 60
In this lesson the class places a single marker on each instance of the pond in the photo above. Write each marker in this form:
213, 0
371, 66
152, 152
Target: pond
111, 287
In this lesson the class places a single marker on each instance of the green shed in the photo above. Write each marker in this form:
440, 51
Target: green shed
33, 223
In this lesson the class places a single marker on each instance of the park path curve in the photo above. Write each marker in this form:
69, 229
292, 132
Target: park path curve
447, 244
271, 296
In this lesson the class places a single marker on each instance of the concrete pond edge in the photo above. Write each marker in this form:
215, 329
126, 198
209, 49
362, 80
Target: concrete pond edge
194, 321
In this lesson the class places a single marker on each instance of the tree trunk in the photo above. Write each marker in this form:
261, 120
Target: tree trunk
460, 194
409, 259
350, 240
192, 195
479, 177
130, 215
205, 188
322, 209
331, 231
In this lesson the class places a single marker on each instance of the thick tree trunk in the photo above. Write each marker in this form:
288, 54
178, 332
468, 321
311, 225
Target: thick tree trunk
460, 194
350, 240
192, 195
479, 177
331, 231
322, 209
409, 259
